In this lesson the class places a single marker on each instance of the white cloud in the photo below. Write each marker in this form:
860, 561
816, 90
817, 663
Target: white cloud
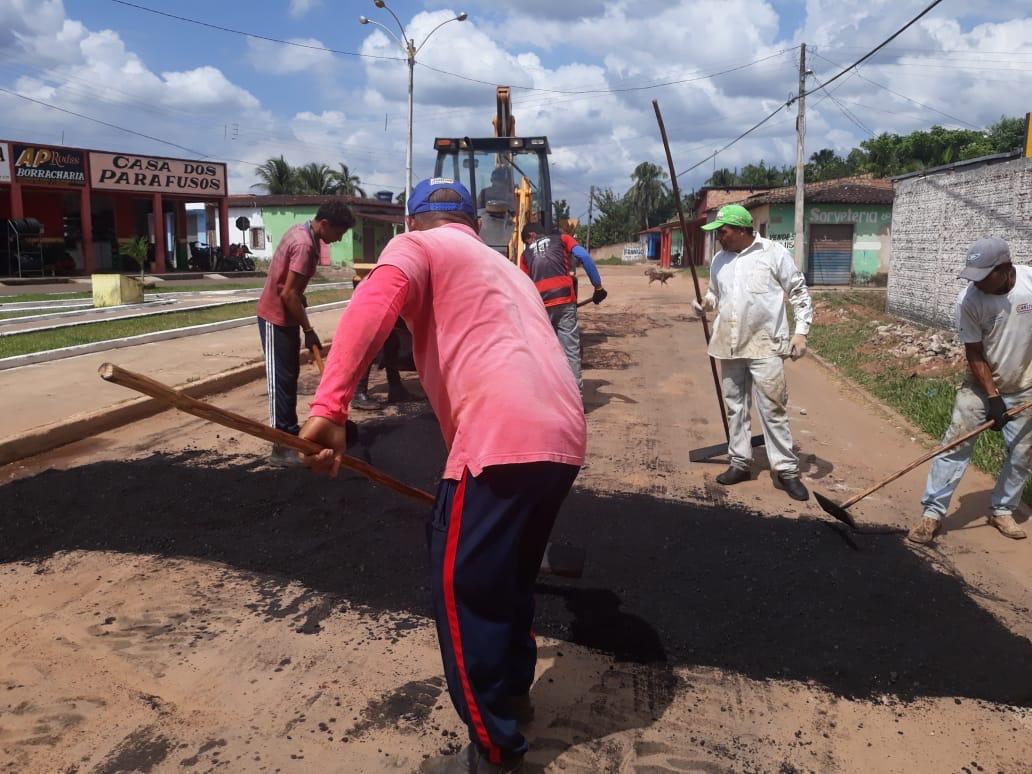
949, 60
278, 59
301, 7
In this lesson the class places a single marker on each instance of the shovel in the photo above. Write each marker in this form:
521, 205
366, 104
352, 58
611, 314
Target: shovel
841, 512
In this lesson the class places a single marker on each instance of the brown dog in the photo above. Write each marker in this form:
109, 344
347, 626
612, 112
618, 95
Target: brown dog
658, 274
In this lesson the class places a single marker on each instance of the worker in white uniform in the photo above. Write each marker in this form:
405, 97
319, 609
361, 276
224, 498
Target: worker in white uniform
994, 320
749, 279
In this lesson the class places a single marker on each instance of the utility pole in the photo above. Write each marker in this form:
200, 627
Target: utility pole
800, 167
591, 205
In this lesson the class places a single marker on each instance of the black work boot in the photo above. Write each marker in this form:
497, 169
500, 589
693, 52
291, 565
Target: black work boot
361, 399
469, 761
791, 483
733, 475
396, 392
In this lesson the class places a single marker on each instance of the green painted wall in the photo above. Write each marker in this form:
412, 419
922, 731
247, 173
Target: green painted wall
278, 219
871, 230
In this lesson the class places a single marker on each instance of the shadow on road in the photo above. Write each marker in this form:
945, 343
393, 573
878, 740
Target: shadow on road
667, 584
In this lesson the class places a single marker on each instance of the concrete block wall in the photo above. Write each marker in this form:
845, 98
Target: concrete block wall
934, 221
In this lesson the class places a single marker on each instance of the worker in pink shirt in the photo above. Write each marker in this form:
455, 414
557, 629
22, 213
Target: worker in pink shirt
282, 317
513, 421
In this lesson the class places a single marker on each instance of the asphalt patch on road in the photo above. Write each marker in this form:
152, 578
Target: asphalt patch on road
667, 583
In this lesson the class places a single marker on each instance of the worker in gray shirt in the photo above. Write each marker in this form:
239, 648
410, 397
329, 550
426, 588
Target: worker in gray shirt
994, 321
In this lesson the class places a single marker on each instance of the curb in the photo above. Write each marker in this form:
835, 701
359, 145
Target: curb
79, 426
872, 400
18, 361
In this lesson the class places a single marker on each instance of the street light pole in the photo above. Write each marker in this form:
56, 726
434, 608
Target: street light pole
408, 150
410, 49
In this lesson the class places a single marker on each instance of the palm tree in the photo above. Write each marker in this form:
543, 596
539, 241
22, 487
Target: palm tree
347, 184
315, 179
648, 192
276, 176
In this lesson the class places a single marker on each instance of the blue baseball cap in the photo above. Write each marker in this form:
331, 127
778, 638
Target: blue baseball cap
424, 188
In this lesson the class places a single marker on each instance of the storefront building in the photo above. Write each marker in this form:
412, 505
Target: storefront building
269, 217
68, 210
847, 228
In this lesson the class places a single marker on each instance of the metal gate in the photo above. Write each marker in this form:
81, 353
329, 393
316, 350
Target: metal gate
830, 255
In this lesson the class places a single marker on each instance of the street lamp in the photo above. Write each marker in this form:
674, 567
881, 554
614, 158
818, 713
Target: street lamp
410, 49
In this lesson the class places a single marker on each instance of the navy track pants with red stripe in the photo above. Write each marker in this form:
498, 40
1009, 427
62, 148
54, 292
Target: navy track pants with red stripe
487, 535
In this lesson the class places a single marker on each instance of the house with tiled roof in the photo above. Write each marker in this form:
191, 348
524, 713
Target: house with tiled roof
707, 201
847, 226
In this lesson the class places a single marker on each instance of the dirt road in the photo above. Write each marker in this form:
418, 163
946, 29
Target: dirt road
168, 603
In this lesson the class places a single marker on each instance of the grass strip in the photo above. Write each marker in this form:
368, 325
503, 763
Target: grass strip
249, 285
42, 341
845, 336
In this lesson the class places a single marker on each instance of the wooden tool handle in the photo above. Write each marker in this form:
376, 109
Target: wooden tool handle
198, 408
934, 453
317, 357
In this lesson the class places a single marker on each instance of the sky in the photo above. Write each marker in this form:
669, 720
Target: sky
583, 72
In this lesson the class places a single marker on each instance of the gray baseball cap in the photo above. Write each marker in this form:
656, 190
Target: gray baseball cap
984, 256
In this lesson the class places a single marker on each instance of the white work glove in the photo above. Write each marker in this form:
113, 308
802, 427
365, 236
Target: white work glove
798, 346
706, 305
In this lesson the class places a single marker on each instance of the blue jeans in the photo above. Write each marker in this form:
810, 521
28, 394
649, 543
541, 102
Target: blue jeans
970, 410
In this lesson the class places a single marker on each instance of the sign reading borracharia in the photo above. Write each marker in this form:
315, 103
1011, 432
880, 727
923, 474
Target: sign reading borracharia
124, 172
53, 166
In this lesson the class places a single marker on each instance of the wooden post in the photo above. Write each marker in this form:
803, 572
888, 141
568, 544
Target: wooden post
691, 264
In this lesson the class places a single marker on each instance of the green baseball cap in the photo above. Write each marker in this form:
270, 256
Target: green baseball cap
730, 215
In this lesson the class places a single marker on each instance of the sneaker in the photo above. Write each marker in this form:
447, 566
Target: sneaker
793, 485
733, 476
924, 531
469, 761
522, 709
284, 457
363, 402
1007, 526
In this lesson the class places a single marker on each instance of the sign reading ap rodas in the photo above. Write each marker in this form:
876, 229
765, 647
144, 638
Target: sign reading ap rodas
125, 172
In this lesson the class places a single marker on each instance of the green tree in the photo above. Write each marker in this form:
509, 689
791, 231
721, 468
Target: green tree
316, 179
347, 184
137, 249
722, 178
647, 195
826, 164
1007, 134
560, 210
760, 175
614, 222
276, 176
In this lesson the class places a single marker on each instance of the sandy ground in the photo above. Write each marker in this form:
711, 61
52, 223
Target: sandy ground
169, 603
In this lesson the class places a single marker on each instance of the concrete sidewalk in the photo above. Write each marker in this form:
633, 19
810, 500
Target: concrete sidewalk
42, 394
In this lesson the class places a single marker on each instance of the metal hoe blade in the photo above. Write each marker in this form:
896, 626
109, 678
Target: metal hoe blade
834, 509
717, 450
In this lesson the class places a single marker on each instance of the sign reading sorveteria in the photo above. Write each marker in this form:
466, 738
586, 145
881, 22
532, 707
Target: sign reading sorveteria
124, 172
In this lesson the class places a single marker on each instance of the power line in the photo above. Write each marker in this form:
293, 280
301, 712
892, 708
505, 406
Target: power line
831, 80
849, 114
618, 90
296, 44
904, 96
748, 131
105, 123
254, 35
870, 53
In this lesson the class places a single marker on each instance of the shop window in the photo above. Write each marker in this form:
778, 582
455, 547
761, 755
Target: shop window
257, 238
